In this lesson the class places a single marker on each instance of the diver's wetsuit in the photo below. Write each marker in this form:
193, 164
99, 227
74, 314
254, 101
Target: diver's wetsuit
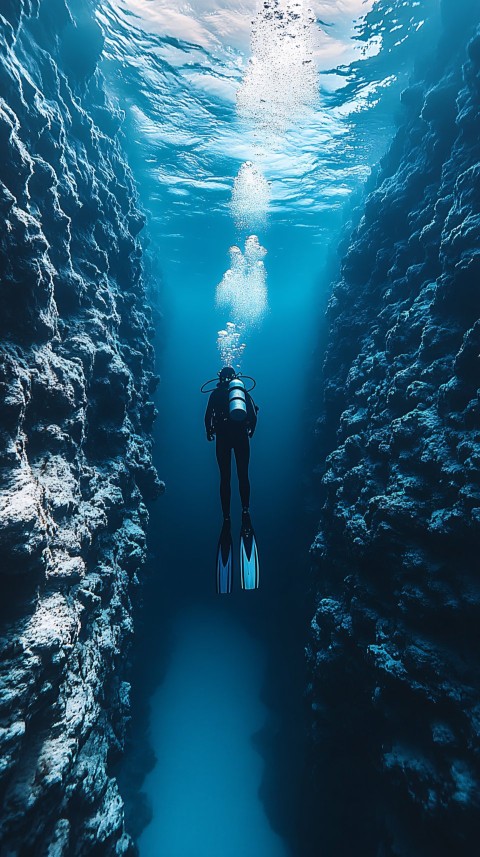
230, 435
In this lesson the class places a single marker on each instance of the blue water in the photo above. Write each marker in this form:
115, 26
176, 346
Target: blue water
226, 717
218, 646
204, 789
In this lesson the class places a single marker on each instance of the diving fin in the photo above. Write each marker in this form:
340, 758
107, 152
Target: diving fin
249, 568
225, 559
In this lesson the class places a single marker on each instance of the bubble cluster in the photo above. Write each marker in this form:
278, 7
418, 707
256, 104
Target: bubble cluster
279, 85
243, 289
250, 197
281, 80
230, 345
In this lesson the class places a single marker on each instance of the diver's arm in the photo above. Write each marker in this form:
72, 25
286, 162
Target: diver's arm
209, 427
251, 415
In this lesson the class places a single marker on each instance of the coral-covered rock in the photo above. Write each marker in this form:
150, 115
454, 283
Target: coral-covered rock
394, 644
76, 378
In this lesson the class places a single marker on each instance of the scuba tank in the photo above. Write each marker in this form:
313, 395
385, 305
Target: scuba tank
236, 393
237, 400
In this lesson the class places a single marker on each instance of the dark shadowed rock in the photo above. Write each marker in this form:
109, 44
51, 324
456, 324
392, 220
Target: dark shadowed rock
395, 638
76, 379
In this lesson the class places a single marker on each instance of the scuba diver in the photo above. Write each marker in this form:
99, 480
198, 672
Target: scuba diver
231, 417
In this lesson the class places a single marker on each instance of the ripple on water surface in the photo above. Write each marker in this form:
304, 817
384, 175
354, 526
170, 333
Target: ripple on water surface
206, 93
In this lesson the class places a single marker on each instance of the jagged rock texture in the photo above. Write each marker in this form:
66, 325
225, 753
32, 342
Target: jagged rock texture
395, 639
76, 382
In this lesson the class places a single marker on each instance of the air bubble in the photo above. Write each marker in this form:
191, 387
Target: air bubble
250, 197
229, 345
281, 81
243, 289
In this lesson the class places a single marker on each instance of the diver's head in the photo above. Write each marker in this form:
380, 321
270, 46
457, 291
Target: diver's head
226, 374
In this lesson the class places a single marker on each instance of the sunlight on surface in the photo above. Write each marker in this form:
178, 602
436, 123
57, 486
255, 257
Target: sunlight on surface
197, 64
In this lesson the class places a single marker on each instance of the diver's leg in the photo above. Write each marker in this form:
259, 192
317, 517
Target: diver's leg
224, 458
242, 457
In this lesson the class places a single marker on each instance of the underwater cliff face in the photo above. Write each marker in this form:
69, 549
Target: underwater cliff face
395, 638
76, 382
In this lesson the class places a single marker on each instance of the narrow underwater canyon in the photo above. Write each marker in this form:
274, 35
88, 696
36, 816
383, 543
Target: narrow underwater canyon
381, 456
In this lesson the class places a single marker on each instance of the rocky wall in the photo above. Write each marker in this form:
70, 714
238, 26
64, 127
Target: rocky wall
76, 381
394, 644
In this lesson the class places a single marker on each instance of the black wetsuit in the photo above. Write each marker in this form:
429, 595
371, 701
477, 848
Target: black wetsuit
230, 435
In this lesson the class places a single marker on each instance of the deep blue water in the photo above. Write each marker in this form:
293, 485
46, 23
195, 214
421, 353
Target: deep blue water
220, 646
226, 715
